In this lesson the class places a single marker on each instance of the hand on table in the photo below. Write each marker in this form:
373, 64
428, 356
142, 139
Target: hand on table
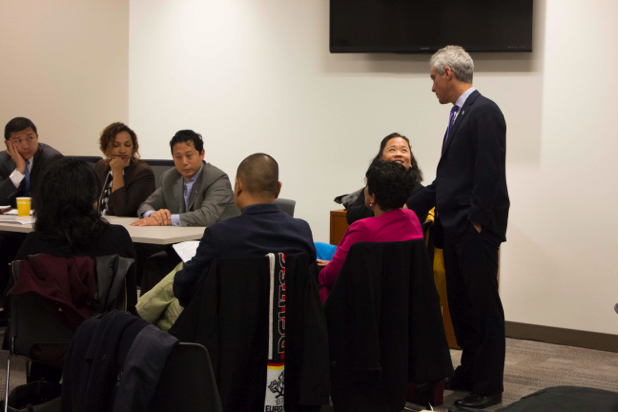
161, 217
20, 163
322, 262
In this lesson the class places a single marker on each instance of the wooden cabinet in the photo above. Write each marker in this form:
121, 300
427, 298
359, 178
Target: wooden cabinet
338, 225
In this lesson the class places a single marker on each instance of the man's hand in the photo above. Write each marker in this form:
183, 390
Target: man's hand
161, 217
117, 165
147, 221
20, 163
322, 262
477, 227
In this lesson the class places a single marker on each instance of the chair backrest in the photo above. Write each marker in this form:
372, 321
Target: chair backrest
158, 167
229, 314
92, 160
384, 325
31, 309
286, 205
188, 382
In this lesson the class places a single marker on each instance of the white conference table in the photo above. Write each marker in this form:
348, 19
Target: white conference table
158, 235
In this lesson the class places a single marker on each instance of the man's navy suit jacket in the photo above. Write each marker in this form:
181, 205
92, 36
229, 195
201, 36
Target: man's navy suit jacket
260, 229
470, 184
42, 158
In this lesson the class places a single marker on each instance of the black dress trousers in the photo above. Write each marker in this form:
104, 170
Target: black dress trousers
471, 266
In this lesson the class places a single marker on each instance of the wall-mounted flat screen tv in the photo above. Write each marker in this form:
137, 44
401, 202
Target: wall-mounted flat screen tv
424, 26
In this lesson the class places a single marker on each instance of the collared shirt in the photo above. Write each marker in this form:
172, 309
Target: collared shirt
462, 100
16, 176
187, 194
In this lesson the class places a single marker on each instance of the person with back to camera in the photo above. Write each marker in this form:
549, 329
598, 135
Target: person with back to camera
388, 186
394, 148
70, 225
126, 181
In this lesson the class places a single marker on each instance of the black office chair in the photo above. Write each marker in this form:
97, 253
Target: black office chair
158, 167
286, 205
229, 315
385, 327
188, 382
27, 310
30, 309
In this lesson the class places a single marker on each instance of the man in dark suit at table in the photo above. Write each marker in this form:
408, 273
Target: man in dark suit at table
21, 169
194, 193
261, 228
472, 203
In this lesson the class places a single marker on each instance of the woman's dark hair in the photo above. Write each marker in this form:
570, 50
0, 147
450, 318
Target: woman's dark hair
108, 135
186, 136
414, 172
66, 211
390, 184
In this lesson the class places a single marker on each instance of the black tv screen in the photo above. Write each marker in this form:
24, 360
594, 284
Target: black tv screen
423, 26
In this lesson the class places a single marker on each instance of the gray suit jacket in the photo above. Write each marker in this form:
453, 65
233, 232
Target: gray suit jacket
8, 191
211, 200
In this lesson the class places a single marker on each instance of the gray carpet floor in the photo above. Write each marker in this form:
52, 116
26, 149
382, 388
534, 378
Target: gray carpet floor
530, 366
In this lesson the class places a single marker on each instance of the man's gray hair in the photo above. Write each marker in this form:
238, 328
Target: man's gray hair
457, 59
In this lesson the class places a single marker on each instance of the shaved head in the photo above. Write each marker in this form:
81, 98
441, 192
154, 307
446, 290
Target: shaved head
259, 174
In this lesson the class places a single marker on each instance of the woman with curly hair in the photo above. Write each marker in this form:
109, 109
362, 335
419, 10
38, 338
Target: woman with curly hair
126, 181
393, 148
388, 185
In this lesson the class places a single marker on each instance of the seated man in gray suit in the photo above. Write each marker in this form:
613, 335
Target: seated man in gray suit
194, 193
21, 169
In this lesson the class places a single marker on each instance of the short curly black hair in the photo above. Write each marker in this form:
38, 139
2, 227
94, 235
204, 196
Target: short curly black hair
390, 183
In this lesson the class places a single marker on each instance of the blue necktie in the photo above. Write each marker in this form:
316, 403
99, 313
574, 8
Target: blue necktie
451, 118
27, 177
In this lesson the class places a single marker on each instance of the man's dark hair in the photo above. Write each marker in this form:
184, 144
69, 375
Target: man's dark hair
185, 136
69, 216
259, 173
17, 125
390, 183
414, 172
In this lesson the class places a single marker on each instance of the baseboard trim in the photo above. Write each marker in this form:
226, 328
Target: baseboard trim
571, 337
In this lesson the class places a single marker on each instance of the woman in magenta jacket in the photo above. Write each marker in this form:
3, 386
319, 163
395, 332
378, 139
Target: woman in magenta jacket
385, 194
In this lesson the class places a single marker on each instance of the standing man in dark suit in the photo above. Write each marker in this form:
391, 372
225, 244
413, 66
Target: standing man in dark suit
472, 204
194, 193
21, 169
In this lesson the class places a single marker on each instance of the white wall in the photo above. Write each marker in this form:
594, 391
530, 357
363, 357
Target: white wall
64, 64
256, 75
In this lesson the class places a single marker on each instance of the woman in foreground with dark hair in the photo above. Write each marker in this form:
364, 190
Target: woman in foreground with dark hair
126, 181
388, 185
68, 224
393, 148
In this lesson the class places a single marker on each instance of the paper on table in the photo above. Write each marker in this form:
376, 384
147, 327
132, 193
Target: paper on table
13, 212
186, 250
20, 220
